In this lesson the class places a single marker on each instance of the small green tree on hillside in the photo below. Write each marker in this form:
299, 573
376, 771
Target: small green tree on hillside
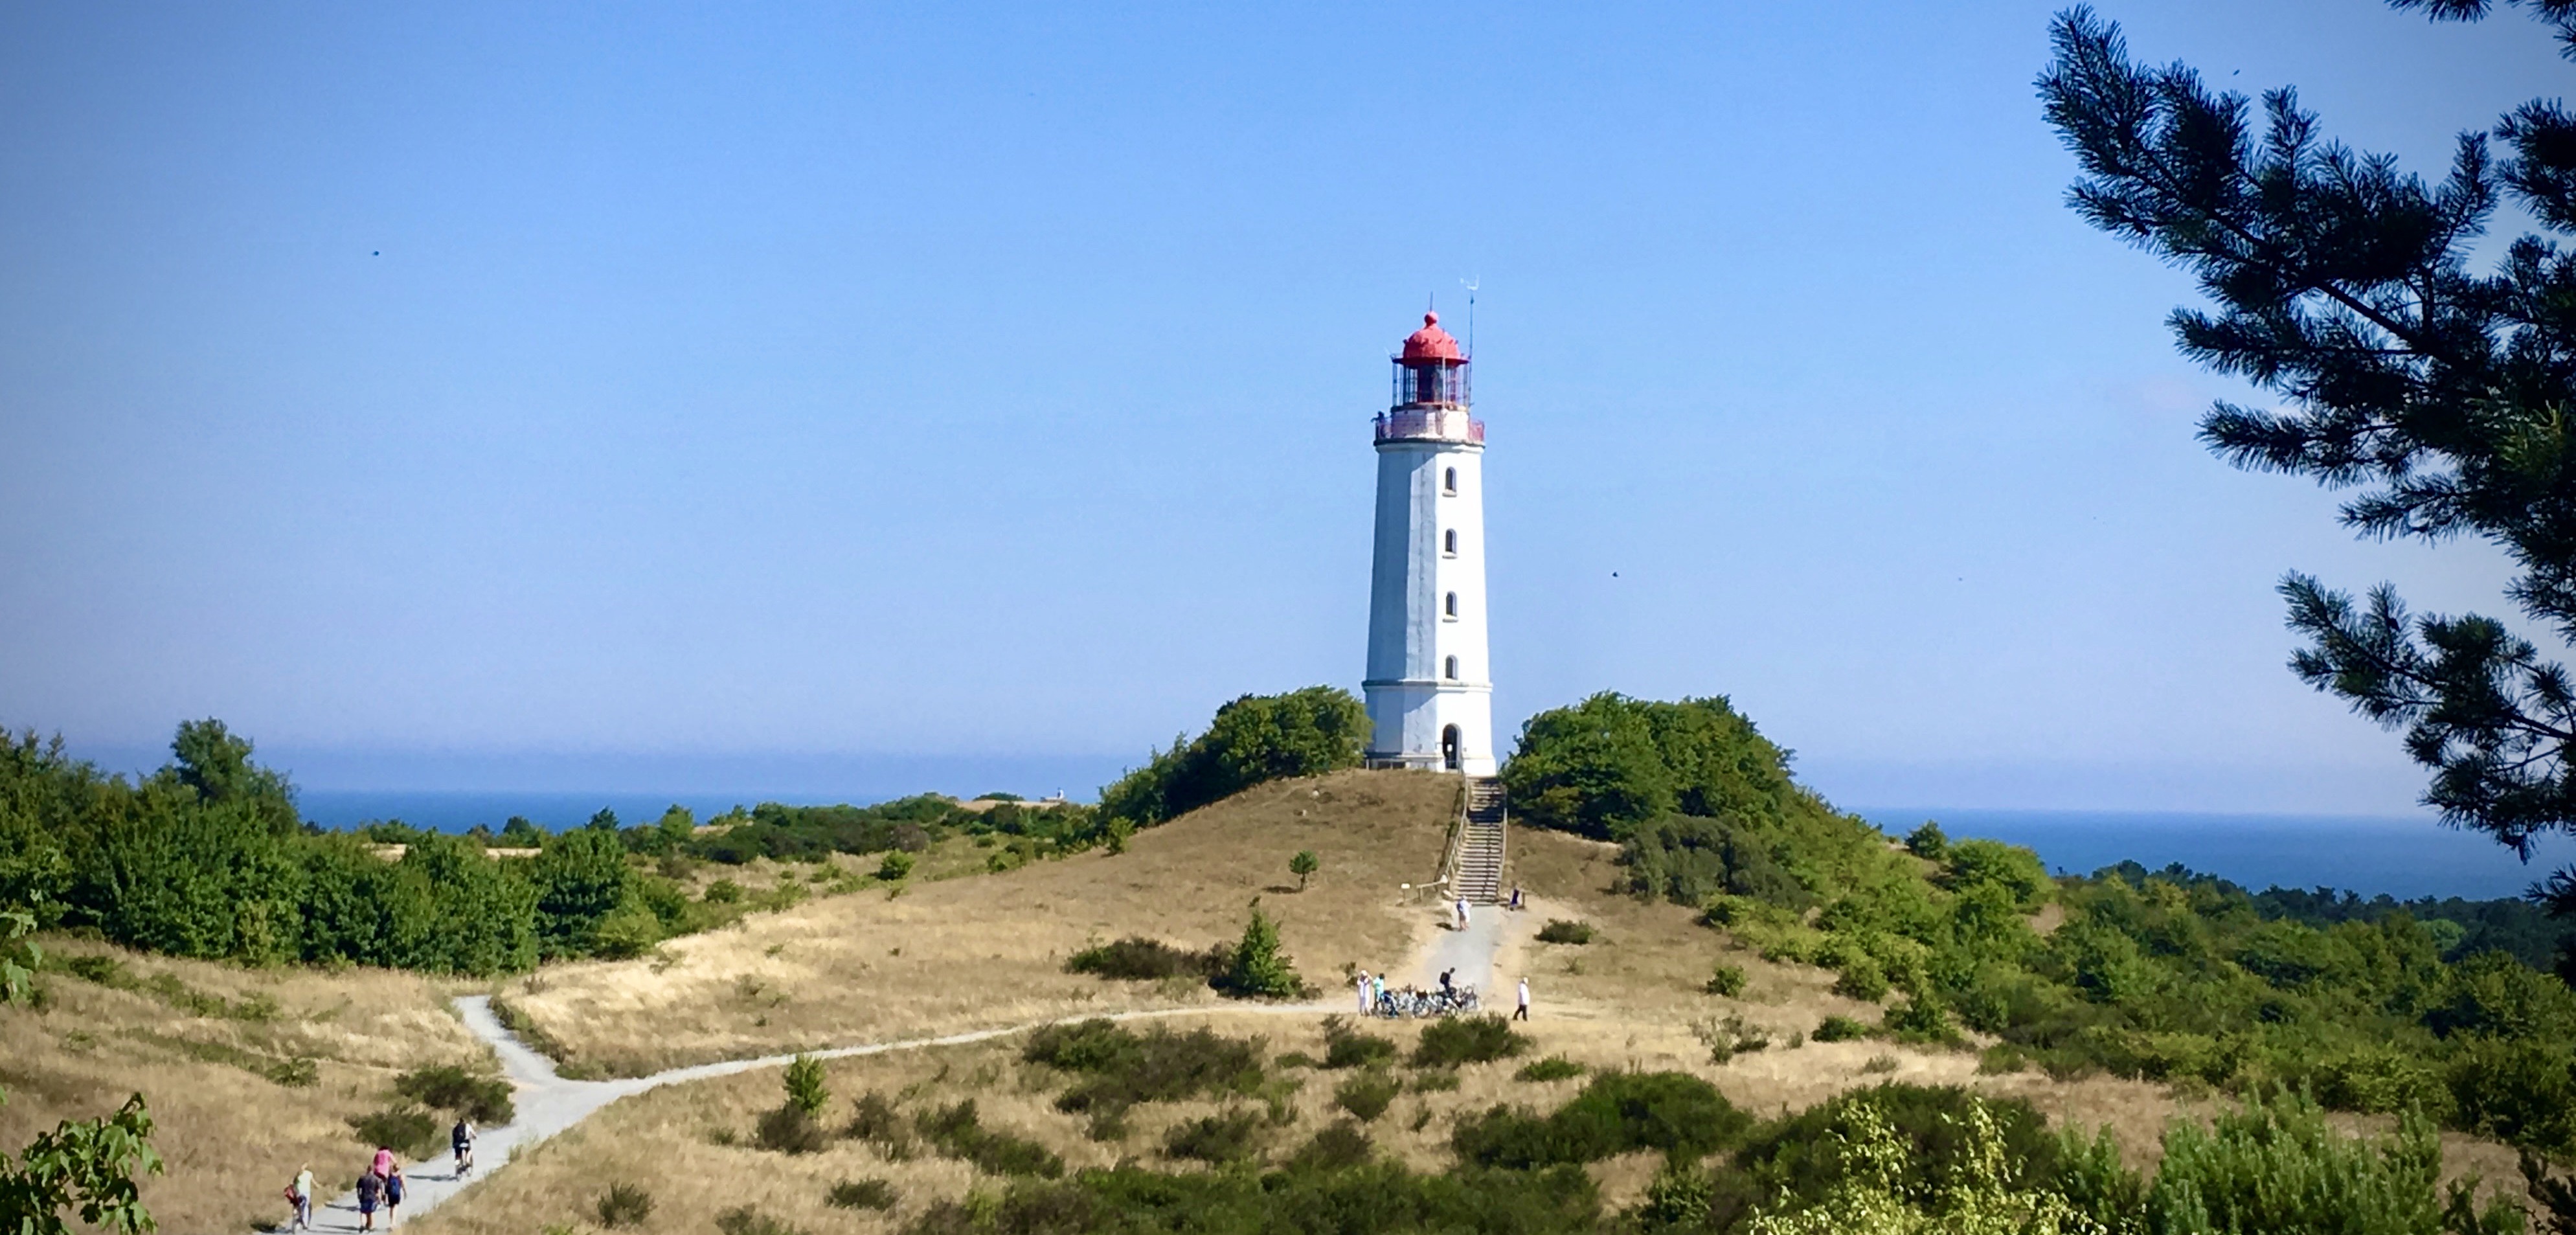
1303, 866
1258, 969
806, 1090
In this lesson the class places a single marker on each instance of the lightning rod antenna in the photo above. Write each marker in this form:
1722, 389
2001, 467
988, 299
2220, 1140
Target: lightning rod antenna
1471, 284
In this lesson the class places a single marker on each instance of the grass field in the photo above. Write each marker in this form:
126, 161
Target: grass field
214, 1047
989, 950
215, 1051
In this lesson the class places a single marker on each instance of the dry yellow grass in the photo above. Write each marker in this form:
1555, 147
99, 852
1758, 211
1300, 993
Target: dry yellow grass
989, 950
232, 1137
668, 1140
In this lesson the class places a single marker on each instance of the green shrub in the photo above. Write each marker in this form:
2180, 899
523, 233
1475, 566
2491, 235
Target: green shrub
1135, 958
1374, 1197
1367, 1094
896, 865
1730, 1036
959, 1133
1303, 865
1794, 1159
624, 1205
1452, 1041
1346, 1047
1435, 1080
2276, 1166
1254, 739
788, 1129
1121, 1068
1862, 979
1552, 1068
1617, 1113
1688, 859
1338, 1147
407, 1130
861, 1194
1727, 981
296, 1073
1921, 1020
101, 969
874, 1119
806, 1090
1559, 930
745, 1220
1928, 841
483, 1099
1229, 1136
1258, 969
1840, 1029
723, 892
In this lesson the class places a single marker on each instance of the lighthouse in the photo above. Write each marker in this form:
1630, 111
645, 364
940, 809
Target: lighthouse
1429, 686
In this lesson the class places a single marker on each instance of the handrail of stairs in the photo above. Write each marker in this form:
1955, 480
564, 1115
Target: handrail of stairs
1454, 846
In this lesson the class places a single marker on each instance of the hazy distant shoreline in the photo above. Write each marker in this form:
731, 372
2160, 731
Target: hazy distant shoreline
2401, 857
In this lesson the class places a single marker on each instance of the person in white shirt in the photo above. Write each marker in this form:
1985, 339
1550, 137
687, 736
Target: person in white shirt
1363, 985
1522, 1013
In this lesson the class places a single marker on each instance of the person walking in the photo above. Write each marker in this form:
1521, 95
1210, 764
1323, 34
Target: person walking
300, 1193
371, 1193
393, 1196
1461, 912
1521, 1013
383, 1166
1377, 992
460, 1140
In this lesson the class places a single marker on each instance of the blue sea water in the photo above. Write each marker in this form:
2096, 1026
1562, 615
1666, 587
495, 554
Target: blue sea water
2404, 858
457, 811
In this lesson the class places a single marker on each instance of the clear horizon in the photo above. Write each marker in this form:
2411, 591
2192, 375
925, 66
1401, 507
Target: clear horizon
476, 397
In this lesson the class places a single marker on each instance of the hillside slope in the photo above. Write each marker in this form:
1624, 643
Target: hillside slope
990, 949
215, 1051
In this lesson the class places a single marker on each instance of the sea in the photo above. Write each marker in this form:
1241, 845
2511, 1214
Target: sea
2400, 857
2370, 855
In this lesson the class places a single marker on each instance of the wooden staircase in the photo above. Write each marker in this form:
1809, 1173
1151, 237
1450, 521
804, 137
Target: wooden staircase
1476, 866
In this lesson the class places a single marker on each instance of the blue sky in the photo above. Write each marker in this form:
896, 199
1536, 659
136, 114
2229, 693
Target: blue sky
658, 398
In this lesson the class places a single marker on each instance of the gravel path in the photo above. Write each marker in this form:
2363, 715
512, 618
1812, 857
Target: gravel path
548, 1103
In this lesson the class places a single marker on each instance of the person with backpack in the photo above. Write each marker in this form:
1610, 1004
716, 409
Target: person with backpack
461, 1139
393, 1196
300, 1195
371, 1193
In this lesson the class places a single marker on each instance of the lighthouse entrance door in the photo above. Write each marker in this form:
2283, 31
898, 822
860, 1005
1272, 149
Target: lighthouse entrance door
1449, 748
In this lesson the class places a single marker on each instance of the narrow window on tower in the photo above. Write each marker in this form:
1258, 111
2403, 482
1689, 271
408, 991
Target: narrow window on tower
1453, 668
1453, 606
1449, 542
1449, 482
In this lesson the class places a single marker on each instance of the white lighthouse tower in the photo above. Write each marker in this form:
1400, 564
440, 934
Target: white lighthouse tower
1430, 693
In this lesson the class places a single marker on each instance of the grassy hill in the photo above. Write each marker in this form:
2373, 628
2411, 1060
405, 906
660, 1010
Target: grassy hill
967, 953
249, 1073
989, 951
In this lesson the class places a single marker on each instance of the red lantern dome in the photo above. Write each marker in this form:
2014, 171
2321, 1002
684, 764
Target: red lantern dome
1431, 371
1432, 345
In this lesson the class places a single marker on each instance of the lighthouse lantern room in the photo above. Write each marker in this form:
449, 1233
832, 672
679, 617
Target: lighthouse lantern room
1429, 689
